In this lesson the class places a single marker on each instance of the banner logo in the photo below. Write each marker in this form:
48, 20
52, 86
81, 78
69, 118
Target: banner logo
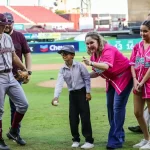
57, 47
43, 48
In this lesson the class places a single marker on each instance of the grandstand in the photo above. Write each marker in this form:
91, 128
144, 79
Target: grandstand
38, 19
37, 15
18, 19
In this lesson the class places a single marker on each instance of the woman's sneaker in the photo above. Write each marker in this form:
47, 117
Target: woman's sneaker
146, 146
75, 144
142, 143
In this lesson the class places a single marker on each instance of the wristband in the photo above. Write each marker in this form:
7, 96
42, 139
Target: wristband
91, 64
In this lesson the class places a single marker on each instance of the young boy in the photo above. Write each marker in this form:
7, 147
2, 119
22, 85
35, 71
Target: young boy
78, 81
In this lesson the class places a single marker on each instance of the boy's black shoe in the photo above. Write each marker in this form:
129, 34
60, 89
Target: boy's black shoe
13, 134
3, 146
135, 129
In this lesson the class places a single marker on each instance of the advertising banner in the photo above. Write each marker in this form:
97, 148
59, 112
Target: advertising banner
124, 44
51, 47
42, 35
31, 35
19, 26
49, 35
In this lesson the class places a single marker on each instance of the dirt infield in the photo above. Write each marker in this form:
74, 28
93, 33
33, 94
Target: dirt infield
96, 83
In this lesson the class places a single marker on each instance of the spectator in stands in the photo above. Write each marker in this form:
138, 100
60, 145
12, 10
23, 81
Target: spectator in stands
22, 49
44, 26
137, 128
120, 24
108, 62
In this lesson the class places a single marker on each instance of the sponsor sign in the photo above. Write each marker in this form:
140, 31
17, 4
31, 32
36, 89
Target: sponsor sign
124, 44
18, 26
51, 47
31, 35
42, 35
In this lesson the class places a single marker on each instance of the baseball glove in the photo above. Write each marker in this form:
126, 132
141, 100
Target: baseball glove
22, 76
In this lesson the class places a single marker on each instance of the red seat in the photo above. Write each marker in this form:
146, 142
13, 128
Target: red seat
39, 14
17, 18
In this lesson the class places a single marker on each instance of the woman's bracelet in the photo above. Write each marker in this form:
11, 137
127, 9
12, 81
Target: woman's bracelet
91, 63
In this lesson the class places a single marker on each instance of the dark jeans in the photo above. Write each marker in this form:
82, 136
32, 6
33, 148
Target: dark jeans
13, 110
78, 106
116, 107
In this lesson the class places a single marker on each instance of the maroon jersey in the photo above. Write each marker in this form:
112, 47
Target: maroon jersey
21, 47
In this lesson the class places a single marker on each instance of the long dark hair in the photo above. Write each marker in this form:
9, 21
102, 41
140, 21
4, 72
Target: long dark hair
146, 23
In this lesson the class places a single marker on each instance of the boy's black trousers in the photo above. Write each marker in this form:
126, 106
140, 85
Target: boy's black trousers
79, 107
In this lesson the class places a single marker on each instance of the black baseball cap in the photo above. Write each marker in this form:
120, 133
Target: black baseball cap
9, 17
3, 20
67, 48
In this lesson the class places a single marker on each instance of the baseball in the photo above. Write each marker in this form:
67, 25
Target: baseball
55, 103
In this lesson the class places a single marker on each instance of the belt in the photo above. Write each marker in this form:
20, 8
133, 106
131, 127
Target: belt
5, 71
79, 90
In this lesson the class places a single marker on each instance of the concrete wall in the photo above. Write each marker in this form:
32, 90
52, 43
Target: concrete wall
138, 10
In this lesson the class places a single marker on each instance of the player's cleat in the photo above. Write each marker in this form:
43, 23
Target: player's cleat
13, 135
3, 146
135, 129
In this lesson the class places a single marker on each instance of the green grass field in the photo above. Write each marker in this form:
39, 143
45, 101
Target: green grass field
47, 128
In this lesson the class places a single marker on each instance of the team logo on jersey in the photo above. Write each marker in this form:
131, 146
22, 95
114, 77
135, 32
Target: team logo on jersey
139, 60
148, 57
43, 48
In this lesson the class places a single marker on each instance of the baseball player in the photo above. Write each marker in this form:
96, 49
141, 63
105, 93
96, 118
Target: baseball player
8, 84
21, 49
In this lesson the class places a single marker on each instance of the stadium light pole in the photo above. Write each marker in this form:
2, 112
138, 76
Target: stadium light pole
7, 3
38, 2
86, 7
